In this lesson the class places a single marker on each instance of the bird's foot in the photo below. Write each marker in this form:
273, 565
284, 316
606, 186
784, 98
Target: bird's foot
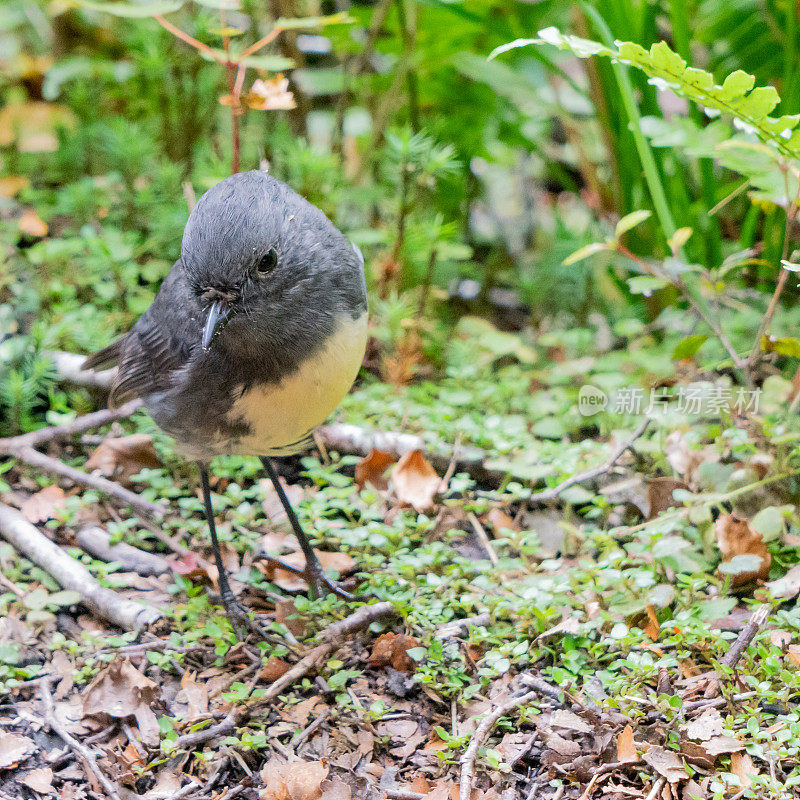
241, 621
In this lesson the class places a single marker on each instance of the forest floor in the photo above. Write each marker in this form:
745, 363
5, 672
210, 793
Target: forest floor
591, 606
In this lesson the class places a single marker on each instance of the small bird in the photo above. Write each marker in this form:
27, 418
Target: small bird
257, 333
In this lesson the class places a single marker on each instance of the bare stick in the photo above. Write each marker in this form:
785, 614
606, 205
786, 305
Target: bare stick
656, 790
731, 658
331, 638
483, 538
458, 626
84, 753
254, 48
96, 541
34, 458
71, 574
481, 735
190, 40
551, 494
78, 425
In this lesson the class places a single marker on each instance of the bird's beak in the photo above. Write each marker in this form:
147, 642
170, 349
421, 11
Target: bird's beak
214, 319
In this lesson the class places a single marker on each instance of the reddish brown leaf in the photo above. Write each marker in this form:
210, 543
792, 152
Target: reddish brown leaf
392, 650
274, 669
652, 629
123, 457
372, 469
297, 780
31, 224
735, 537
743, 768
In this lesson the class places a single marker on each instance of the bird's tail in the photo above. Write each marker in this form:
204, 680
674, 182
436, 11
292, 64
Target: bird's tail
107, 357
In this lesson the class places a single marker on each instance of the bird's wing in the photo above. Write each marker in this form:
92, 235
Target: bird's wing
158, 345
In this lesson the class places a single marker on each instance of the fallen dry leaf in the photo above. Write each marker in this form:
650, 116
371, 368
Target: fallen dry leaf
291, 581
499, 520
40, 780
372, 469
392, 650
297, 780
660, 495
195, 694
42, 506
653, 628
666, 763
122, 691
744, 769
735, 537
415, 481
31, 224
626, 747
719, 745
122, 457
706, 726
14, 749
274, 669
335, 789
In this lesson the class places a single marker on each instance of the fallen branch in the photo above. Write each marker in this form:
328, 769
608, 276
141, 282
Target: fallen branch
35, 458
93, 771
481, 735
551, 494
30, 542
96, 541
731, 658
458, 626
331, 638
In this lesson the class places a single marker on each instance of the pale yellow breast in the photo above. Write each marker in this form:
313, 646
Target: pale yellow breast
282, 413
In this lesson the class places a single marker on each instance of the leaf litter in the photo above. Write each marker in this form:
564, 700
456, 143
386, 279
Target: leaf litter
622, 622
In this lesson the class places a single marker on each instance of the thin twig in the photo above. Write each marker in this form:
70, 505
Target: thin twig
263, 42
551, 494
331, 638
308, 731
656, 790
35, 458
190, 40
731, 658
483, 538
85, 754
481, 734
78, 425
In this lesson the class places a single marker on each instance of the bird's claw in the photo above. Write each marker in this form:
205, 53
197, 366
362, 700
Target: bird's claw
240, 619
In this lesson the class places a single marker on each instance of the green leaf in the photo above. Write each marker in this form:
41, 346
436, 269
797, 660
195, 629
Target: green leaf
769, 522
66, 597
739, 564
783, 346
631, 221
689, 346
585, 252
293, 23
646, 284
134, 10
221, 5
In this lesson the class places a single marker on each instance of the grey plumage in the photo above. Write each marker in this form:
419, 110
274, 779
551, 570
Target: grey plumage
282, 319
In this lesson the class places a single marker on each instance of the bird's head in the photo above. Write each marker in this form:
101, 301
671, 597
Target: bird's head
267, 268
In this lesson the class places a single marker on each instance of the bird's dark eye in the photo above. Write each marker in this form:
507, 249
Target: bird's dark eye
267, 263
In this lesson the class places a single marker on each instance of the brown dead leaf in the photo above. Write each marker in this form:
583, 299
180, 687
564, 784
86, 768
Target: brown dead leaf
292, 582
286, 613
392, 650
653, 628
31, 224
335, 789
499, 520
793, 655
626, 747
569, 720
415, 481
297, 780
122, 457
660, 497
372, 469
735, 537
196, 695
14, 749
42, 506
40, 780
719, 745
666, 763
706, 726
274, 669
122, 691
190, 566
33, 125
744, 769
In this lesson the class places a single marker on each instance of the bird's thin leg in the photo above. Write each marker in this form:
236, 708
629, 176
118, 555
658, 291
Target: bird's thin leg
318, 582
236, 613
